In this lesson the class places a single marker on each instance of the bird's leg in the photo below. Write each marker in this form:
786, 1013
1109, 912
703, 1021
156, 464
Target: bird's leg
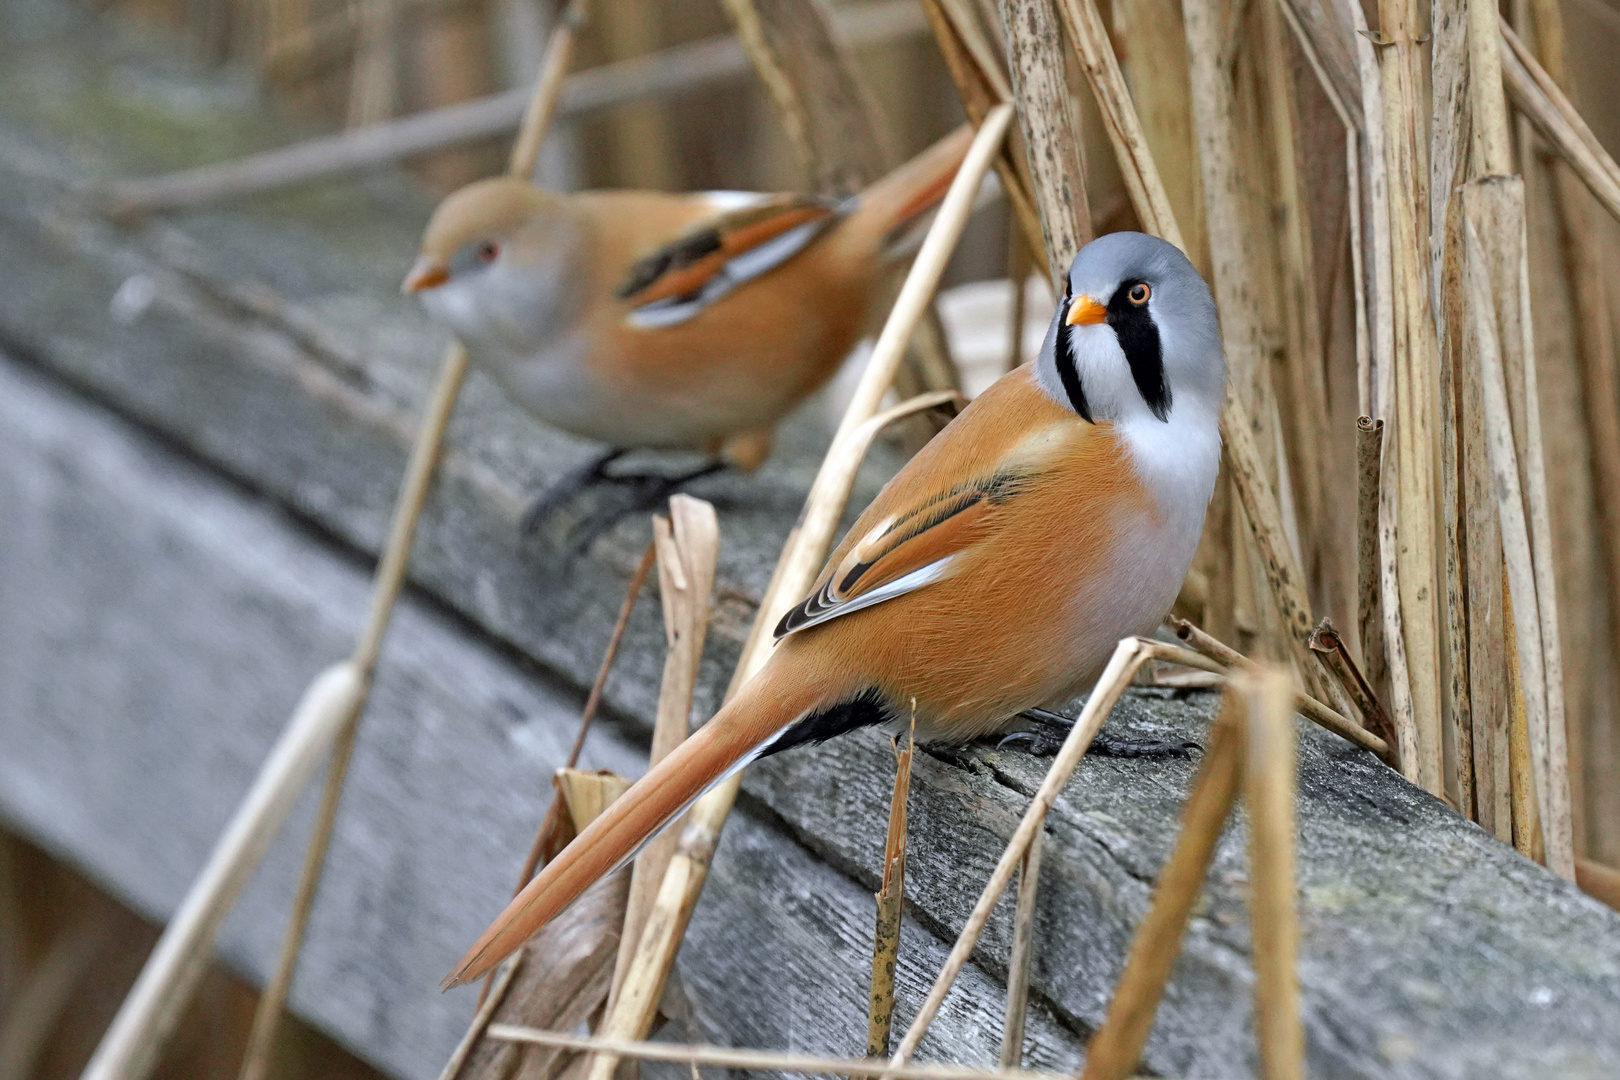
1048, 730
592, 472
647, 491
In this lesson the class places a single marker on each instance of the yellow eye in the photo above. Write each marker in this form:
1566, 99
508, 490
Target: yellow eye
1139, 294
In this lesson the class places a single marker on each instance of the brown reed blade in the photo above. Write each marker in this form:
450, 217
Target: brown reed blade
688, 544
890, 901
1599, 881
1268, 774
802, 555
1117, 1047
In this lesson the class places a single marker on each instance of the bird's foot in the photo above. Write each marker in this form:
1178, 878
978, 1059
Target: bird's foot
644, 492
1048, 730
552, 499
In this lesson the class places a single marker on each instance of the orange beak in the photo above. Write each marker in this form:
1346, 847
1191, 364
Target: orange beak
426, 273
1085, 311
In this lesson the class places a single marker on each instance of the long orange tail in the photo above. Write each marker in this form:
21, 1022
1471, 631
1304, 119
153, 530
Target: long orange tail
754, 716
891, 202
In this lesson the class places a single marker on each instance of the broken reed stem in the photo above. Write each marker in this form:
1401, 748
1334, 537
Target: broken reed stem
1268, 774
1117, 1047
890, 901
757, 1060
1312, 709
1127, 659
500, 981
542, 103
1369, 614
805, 550
1023, 955
688, 544
1328, 645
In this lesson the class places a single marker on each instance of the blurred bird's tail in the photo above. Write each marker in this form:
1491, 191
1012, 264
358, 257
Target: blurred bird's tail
739, 732
893, 206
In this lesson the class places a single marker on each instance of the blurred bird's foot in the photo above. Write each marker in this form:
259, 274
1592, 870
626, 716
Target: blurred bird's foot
1047, 731
551, 500
644, 492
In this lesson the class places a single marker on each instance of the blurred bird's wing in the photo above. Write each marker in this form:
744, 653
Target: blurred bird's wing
715, 256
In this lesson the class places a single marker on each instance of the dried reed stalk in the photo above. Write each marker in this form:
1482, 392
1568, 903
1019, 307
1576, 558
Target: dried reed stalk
578, 949
1416, 384
131, 1045
1268, 773
1369, 619
981, 81
1526, 815
550, 837
1328, 644
1128, 658
1117, 1047
758, 1060
1022, 956
1594, 332
1526, 677
688, 544
1051, 135
498, 986
890, 900
1540, 100
1230, 660
390, 579
802, 556
1161, 102
669, 71
373, 82
1107, 82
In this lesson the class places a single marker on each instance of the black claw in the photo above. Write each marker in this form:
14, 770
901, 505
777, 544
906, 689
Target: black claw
647, 491
552, 499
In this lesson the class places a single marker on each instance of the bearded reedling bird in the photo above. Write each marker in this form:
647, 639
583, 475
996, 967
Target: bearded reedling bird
993, 575
646, 320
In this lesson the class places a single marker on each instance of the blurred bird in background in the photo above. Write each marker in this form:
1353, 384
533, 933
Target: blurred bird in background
648, 320
992, 576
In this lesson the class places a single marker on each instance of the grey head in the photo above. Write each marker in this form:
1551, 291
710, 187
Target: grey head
1135, 335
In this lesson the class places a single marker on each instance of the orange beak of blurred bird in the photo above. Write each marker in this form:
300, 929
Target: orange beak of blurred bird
647, 320
993, 575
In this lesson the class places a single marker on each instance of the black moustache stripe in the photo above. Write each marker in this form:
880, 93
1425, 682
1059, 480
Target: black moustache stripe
1068, 372
1139, 340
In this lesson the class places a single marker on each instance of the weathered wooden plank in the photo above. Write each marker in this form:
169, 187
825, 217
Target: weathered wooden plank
155, 625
